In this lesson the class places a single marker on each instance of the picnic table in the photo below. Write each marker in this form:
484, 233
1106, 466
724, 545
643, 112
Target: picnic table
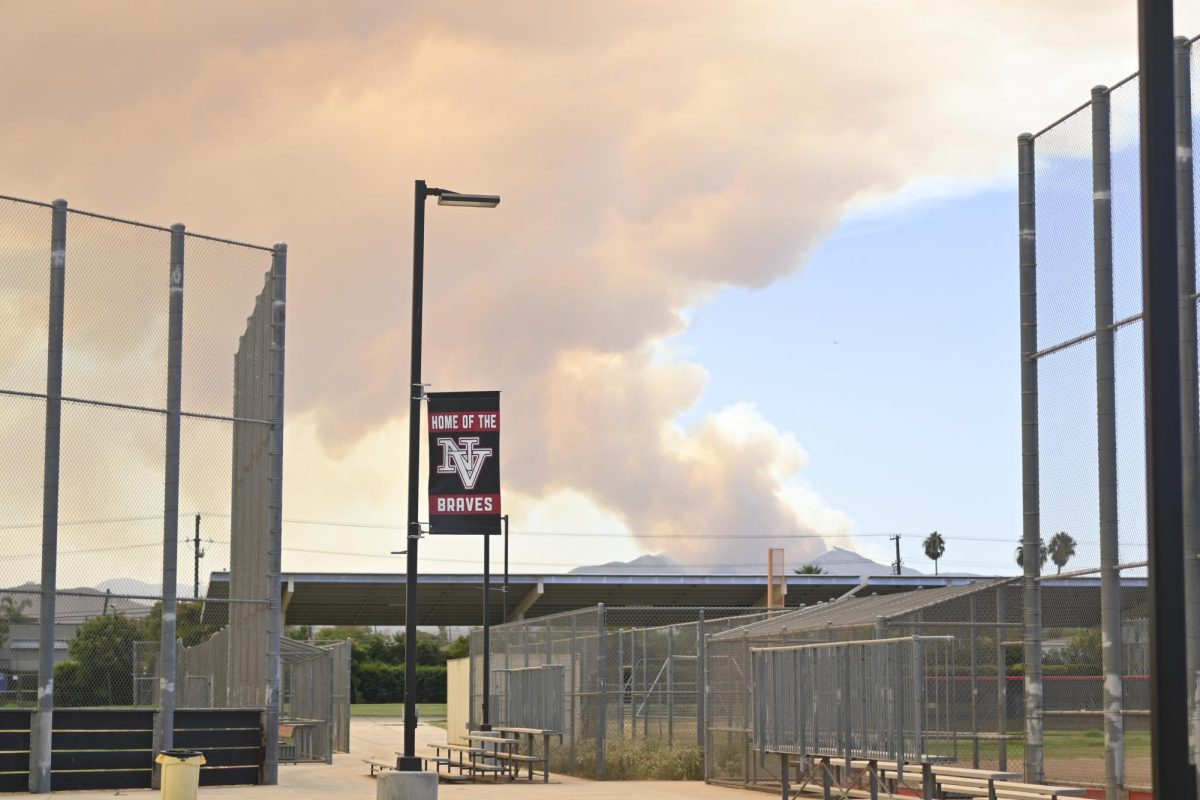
529, 736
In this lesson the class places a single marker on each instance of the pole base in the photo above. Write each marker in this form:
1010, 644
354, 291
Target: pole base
408, 764
485, 726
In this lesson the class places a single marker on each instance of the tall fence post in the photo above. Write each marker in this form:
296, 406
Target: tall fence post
275, 513
1185, 189
43, 718
1031, 527
702, 690
573, 665
670, 686
1001, 680
1106, 424
974, 688
165, 726
602, 691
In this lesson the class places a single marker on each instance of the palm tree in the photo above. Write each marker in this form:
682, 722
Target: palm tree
810, 569
1062, 547
935, 548
1043, 554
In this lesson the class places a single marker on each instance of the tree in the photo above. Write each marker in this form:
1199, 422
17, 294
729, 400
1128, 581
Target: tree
1043, 554
11, 613
1062, 547
189, 625
101, 654
810, 569
935, 548
459, 648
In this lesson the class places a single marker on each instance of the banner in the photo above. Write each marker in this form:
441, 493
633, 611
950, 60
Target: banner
464, 462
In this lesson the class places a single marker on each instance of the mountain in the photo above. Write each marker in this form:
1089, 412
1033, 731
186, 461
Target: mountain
642, 565
840, 561
837, 561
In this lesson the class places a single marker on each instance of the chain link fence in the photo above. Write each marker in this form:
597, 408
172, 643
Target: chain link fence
633, 685
1086, 667
141, 397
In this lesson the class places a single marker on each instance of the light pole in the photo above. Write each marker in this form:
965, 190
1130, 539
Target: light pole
409, 761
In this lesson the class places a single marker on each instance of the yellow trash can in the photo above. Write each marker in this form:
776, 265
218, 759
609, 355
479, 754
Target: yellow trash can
180, 773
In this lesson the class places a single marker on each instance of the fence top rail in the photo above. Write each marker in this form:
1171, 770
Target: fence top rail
856, 642
137, 224
1114, 87
530, 669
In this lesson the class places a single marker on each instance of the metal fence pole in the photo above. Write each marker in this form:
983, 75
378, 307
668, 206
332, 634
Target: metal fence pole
1172, 775
574, 667
165, 727
1001, 681
275, 513
670, 687
1106, 422
701, 689
602, 690
43, 718
621, 682
974, 690
1031, 533
1187, 353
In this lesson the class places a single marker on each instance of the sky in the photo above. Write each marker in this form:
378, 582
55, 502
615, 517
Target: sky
752, 282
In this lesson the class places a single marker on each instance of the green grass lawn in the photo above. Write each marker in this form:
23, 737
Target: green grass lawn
428, 711
1065, 744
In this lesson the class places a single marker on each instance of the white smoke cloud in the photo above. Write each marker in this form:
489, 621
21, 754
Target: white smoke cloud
648, 154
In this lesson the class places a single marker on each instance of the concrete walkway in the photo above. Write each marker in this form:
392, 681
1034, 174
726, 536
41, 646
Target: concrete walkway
379, 738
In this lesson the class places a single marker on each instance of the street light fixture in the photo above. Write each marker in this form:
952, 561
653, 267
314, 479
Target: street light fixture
449, 198
409, 762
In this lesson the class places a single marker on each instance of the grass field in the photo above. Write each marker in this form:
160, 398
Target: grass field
429, 711
1066, 744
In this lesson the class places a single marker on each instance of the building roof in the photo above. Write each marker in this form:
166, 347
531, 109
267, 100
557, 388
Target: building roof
456, 599
859, 611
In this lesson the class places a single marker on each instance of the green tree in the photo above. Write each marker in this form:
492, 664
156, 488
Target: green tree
101, 665
1061, 549
1084, 649
459, 648
190, 627
1043, 554
935, 548
809, 569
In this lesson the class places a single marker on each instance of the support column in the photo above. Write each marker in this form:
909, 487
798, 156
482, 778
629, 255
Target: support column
1187, 353
602, 691
42, 721
1106, 424
1001, 680
275, 514
1031, 521
165, 723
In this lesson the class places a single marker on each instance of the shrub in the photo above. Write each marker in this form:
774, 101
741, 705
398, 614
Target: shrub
377, 682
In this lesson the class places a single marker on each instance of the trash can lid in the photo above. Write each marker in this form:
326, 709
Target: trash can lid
181, 753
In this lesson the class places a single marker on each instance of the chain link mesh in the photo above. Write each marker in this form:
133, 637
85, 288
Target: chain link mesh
1073, 487
115, 458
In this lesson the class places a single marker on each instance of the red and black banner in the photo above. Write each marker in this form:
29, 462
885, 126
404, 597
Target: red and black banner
464, 462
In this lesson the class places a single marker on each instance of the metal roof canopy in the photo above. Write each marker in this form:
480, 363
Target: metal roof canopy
861, 612
454, 599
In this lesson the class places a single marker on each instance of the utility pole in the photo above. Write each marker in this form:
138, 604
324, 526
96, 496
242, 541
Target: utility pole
197, 555
896, 563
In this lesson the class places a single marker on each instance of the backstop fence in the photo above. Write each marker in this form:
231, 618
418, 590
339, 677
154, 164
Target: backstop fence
1083, 418
143, 438
633, 684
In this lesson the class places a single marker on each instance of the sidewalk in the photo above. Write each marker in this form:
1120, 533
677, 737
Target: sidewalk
379, 738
